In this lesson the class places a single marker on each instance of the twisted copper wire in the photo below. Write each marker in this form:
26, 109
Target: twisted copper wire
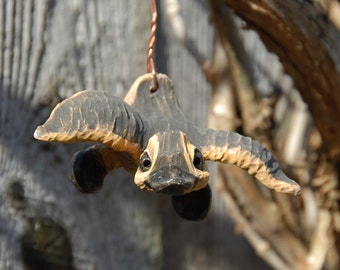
150, 65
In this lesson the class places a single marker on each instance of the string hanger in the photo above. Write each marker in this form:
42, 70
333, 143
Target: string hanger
150, 65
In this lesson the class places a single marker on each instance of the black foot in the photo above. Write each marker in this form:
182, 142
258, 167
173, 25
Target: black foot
193, 206
88, 170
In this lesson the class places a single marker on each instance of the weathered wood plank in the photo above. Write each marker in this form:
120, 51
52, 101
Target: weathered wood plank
49, 50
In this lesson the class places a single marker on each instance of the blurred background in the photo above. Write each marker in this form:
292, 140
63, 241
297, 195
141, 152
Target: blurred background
266, 69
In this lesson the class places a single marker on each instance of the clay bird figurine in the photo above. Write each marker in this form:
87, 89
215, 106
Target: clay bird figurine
148, 135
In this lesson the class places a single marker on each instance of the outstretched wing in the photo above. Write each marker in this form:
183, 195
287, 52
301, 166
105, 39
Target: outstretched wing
232, 148
96, 116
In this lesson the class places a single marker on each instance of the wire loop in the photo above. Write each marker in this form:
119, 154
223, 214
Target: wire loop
150, 65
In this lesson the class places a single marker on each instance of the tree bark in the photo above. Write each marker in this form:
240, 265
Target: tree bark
307, 43
288, 233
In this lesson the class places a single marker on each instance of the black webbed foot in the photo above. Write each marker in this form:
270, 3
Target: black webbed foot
193, 206
88, 170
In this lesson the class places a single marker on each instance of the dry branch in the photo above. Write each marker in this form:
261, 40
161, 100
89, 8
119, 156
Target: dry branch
307, 44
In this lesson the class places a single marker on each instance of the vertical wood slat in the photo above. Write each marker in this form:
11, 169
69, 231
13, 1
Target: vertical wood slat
117, 228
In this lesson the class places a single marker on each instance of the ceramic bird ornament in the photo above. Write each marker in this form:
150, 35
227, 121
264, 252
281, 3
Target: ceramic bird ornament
148, 135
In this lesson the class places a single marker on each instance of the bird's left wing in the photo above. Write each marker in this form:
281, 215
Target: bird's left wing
232, 148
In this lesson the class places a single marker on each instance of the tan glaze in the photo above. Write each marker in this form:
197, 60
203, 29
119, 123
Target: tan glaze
148, 134
254, 165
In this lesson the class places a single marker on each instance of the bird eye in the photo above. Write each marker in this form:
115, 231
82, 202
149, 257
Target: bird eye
145, 162
198, 160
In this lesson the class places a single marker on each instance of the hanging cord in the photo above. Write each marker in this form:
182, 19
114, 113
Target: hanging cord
150, 66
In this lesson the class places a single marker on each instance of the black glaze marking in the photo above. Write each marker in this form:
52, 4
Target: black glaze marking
171, 180
88, 170
172, 151
194, 206
145, 162
198, 160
